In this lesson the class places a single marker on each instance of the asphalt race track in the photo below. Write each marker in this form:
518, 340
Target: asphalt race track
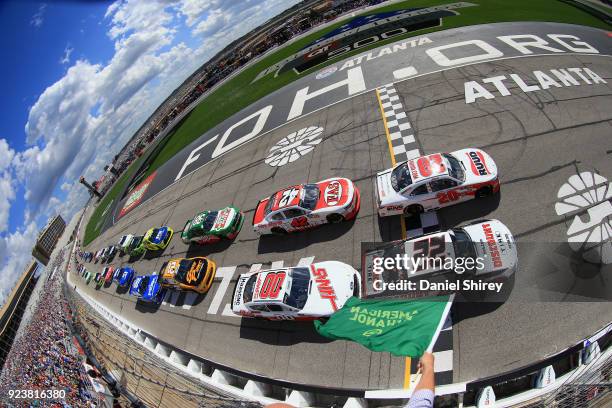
538, 138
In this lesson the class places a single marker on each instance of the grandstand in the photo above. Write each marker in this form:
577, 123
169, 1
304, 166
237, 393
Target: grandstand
14, 308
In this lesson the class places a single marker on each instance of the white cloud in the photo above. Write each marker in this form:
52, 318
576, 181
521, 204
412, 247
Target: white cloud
7, 189
15, 254
80, 122
7, 194
6, 155
39, 17
67, 53
194, 9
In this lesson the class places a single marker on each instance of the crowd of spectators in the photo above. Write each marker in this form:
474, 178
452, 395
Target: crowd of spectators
227, 62
44, 357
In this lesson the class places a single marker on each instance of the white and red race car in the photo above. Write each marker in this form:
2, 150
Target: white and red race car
435, 181
297, 293
304, 206
483, 250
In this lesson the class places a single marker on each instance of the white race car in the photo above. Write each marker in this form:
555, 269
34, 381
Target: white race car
124, 243
297, 293
483, 250
435, 181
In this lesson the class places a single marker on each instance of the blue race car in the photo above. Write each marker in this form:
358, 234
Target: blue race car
148, 288
123, 276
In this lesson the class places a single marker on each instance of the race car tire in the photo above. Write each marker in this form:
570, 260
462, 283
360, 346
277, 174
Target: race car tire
413, 209
335, 218
278, 231
484, 192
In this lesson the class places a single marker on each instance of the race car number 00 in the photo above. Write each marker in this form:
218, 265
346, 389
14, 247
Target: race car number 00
272, 285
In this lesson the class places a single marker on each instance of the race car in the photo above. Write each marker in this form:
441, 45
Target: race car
148, 289
123, 276
107, 273
304, 206
212, 226
297, 293
157, 239
195, 274
483, 250
83, 272
99, 279
111, 251
136, 246
435, 181
124, 244
99, 255
88, 277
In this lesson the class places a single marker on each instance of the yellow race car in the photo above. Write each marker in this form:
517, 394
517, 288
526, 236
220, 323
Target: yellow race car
157, 239
195, 274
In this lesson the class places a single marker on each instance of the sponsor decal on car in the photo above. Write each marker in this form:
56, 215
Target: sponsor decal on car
478, 164
222, 218
333, 193
492, 243
137, 195
324, 287
239, 290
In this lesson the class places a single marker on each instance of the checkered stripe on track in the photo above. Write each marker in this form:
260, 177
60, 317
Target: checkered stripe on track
401, 135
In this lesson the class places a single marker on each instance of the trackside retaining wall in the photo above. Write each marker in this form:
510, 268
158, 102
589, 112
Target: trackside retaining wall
510, 388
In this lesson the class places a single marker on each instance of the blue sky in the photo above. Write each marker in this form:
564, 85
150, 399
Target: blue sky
41, 41
78, 79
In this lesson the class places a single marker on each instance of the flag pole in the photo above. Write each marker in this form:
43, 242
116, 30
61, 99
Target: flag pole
414, 380
441, 323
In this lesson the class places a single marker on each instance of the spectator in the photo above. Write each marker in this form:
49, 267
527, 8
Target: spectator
44, 357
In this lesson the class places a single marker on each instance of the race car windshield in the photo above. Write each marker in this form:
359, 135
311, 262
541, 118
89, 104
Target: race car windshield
155, 231
456, 170
298, 295
400, 177
209, 221
463, 245
135, 242
142, 286
310, 196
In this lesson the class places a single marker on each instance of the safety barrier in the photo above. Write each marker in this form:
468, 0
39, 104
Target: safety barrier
503, 390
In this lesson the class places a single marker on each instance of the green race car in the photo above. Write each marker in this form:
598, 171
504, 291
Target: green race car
212, 226
88, 277
136, 246
157, 239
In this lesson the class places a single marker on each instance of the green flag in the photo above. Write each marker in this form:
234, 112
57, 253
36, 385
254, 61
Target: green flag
403, 328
